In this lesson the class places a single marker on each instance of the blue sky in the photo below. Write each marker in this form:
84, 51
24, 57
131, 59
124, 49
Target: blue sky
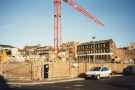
26, 22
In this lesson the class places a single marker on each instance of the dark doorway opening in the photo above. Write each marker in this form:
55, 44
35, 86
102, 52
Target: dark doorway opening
46, 70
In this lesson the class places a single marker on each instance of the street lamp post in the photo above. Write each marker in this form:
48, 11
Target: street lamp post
86, 61
94, 51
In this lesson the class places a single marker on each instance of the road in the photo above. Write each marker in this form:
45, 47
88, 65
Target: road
115, 83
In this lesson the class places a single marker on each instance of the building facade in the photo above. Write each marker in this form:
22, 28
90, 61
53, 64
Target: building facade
125, 54
121, 54
30, 50
131, 46
70, 49
37, 51
13, 53
131, 52
10, 50
96, 51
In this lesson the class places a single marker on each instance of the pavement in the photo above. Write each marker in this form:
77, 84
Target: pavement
46, 81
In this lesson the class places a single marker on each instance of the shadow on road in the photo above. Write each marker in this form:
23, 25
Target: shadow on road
3, 84
127, 82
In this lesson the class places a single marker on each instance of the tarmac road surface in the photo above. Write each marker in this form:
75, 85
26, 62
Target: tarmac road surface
115, 83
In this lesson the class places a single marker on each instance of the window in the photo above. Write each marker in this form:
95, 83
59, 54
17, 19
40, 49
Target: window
104, 69
96, 69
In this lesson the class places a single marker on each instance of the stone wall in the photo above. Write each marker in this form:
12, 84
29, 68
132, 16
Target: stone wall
62, 70
59, 70
35, 70
22, 71
16, 71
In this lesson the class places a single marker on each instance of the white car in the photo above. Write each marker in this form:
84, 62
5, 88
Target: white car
98, 72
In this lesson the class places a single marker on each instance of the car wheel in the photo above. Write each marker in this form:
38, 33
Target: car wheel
98, 77
110, 75
86, 78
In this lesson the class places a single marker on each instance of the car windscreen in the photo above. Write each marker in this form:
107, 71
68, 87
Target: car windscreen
95, 69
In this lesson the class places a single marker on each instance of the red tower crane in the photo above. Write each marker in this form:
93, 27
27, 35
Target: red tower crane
57, 19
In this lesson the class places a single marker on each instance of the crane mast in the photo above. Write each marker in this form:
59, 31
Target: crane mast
57, 19
57, 25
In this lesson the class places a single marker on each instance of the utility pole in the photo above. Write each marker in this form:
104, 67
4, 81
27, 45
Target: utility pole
94, 49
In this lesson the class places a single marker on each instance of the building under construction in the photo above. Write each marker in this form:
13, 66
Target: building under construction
96, 51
